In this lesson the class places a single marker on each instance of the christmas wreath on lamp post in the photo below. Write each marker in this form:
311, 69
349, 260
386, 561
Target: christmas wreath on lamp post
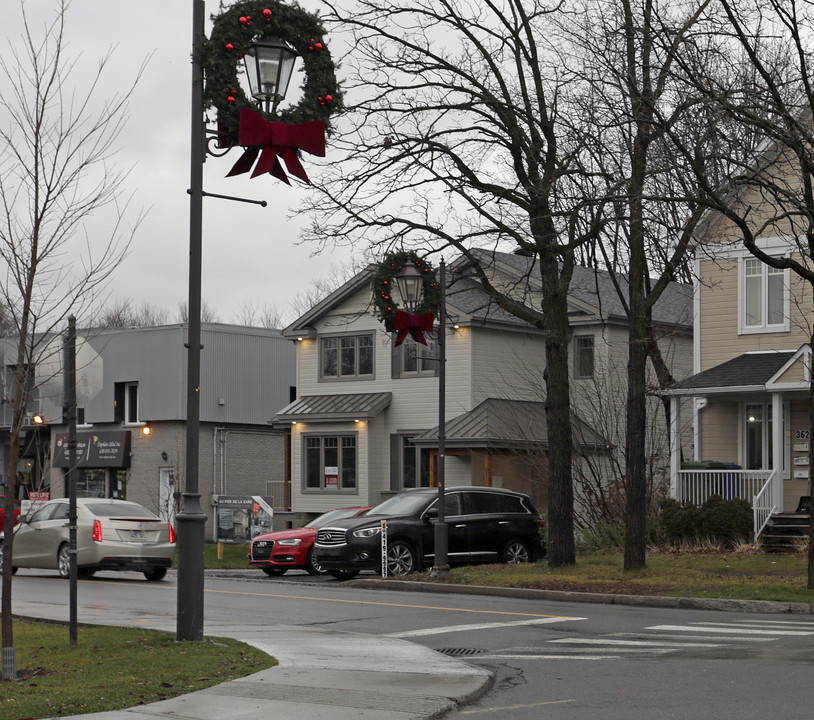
240, 33
423, 304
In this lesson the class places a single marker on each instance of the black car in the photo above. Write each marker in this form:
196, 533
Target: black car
484, 525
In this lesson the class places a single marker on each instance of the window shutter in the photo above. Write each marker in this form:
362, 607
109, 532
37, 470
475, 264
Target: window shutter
395, 462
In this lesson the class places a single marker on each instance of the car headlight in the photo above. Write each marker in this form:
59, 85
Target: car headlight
291, 541
368, 531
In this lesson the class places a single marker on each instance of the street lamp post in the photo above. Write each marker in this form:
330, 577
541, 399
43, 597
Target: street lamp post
272, 63
411, 286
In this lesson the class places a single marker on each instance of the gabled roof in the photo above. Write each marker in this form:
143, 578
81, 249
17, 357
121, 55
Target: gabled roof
326, 408
500, 423
747, 372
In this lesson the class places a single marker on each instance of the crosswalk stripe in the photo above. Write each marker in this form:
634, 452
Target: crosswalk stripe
727, 630
546, 657
479, 626
730, 638
762, 624
641, 643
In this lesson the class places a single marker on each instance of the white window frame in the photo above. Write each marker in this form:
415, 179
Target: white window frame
128, 405
339, 377
763, 326
767, 434
576, 350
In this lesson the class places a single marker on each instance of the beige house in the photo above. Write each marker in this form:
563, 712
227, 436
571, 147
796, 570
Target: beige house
749, 394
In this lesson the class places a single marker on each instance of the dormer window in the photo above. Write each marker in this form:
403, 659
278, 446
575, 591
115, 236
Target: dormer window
347, 357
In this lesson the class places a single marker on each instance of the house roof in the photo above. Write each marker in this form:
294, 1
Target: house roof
500, 423
747, 371
325, 408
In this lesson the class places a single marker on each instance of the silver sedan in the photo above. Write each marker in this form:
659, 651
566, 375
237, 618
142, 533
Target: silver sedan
110, 535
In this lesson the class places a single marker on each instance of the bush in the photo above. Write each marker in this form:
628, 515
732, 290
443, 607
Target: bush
725, 522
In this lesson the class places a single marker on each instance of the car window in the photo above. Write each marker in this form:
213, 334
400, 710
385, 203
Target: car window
61, 513
453, 504
487, 502
330, 516
399, 505
44, 513
131, 510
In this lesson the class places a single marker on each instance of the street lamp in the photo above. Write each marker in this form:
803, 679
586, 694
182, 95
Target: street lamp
269, 63
411, 288
191, 519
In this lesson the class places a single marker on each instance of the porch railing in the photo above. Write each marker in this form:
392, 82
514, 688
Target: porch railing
758, 487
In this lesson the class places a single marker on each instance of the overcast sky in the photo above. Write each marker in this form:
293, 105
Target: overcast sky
250, 253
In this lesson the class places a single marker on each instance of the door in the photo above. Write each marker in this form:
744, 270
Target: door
37, 541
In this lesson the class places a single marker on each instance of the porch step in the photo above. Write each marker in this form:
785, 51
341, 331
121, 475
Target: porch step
785, 532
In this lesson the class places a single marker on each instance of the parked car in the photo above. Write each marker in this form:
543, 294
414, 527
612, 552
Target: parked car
484, 525
282, 550
110, 535
3, 511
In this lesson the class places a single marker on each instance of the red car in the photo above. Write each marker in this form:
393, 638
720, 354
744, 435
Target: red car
3, 511
276, 552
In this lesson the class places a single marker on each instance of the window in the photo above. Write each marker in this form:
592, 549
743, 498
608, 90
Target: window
330, 462
125, 403
346, 358
764, 298
412, 359
758, 446
415, 464
584, 356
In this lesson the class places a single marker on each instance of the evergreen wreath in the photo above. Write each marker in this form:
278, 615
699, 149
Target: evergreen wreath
232, 32
383, 281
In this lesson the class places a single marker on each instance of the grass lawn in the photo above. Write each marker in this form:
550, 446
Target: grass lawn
113, 668
698, 573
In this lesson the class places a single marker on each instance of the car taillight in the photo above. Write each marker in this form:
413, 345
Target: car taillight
172, 534
97, 531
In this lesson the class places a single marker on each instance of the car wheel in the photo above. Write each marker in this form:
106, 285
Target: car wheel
157, 573
274, 571
516, 551
13, 569
312, 567
64, 561
400, 559
343, 574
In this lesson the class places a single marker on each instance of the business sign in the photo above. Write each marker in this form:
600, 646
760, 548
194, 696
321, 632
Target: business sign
102, 449
241, 517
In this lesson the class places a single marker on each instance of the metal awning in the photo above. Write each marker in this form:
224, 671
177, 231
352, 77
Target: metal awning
326, 408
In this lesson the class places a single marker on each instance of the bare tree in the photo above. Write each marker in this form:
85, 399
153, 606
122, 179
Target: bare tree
122, 312
765, 52
267, 315
208, 313
458, 137
54, 173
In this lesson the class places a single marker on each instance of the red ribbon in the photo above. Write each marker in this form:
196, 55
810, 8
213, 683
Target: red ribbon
274, 140
416, 325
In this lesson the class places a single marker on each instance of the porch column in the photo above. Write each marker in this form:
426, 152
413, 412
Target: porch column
675, 445
777, 450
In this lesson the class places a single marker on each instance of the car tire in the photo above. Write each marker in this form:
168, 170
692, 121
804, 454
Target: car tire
155, 574
401, 559
312, 567
343, 574
516, 551
64, 561
274, 571
13, 569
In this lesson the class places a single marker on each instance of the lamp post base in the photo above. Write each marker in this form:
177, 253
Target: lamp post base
190, 523
441, 566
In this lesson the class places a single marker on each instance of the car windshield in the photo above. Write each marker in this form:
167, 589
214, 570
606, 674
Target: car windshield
332, 515
397, 505
113, 510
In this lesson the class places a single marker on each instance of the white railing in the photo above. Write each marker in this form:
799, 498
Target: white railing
759, 488
763, 506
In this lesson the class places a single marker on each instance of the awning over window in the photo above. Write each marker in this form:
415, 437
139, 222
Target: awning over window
499, 423
326, 408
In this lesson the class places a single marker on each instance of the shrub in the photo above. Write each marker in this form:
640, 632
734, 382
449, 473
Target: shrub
719, 521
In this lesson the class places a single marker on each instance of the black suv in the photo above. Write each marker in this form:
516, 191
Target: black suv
484, 525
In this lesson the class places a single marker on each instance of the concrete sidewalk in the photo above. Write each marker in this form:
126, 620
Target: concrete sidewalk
321, 674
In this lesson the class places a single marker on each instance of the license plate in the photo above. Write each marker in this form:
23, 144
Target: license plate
138, 536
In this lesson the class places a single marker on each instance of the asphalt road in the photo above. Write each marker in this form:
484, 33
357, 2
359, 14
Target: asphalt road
551, 659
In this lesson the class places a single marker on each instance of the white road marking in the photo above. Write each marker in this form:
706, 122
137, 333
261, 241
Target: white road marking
726, 630
545, 657
479, 626
642, 643
729, 638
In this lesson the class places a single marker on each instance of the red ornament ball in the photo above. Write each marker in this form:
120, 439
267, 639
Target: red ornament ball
329, 99
318, 47
267, 14
230, 99
229, 47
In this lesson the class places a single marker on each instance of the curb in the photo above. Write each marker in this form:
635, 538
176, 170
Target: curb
753, 606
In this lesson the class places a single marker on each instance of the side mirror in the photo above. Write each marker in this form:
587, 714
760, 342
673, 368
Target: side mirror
431, 514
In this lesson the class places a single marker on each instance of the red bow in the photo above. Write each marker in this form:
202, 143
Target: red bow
276, 138
413, 324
